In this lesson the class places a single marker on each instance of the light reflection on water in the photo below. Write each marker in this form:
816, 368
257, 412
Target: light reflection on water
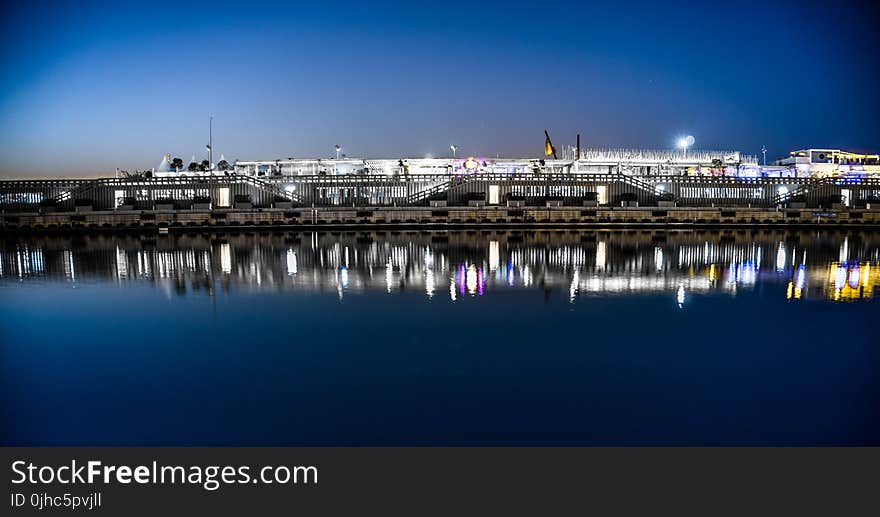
431, 338
796, 265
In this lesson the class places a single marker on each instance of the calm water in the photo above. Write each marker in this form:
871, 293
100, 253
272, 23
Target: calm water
433, 338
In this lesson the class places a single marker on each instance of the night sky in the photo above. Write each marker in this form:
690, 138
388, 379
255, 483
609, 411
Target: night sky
84, 90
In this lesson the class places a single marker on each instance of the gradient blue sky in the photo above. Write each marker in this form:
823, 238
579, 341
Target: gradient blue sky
87, 88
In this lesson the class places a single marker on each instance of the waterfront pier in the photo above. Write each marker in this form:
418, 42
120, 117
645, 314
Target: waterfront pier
477, 198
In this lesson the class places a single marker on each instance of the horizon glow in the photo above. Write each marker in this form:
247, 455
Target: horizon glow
87, 89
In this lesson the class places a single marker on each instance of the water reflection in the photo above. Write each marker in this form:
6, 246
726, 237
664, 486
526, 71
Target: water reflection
838, 266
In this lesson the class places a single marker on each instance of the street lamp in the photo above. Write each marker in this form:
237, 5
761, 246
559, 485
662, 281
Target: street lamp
454, 148
685, 142
338, 148
764, 152
210, 146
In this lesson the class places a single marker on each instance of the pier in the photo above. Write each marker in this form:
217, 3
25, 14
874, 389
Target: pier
437, 200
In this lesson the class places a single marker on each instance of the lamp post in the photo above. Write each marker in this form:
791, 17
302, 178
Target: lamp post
764, 152
454, 148
210, 146
338, 148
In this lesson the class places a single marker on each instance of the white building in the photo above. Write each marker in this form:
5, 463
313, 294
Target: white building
637, 162
629, 161
830, 162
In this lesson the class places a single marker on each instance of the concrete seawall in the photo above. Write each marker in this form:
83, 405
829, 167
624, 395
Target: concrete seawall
452, 217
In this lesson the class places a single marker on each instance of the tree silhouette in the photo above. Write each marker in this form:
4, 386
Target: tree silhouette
193, 167
223, 165
177, 164
204, 166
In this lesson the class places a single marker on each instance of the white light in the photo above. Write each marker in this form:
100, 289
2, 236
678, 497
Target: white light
389, 276
494, 256
429, 283
840, 277
600, 255
658, 258
471, 279
780, 257
343, 277
225, 258
685, 142
291, 262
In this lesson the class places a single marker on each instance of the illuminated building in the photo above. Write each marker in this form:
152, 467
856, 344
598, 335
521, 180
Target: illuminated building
598, 161
636, 162
829, 162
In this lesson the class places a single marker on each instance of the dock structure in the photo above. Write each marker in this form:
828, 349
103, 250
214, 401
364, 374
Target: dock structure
230, 191
576, 187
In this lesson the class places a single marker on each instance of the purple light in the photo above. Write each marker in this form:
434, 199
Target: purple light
854, 277
461, 279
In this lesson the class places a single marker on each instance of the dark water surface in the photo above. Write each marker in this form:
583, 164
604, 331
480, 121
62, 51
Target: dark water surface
592, 338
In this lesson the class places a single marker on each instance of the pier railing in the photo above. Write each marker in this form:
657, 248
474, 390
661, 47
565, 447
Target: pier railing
139, 193
413, 190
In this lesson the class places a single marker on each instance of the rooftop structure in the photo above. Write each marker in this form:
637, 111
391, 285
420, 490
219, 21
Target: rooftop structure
637, 162
829, 156
633, 161
830, 162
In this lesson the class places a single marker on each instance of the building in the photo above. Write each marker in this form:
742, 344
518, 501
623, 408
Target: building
636, 162
830, 162
639, 162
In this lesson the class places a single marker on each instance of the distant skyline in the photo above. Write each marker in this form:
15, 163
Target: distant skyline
88, 88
